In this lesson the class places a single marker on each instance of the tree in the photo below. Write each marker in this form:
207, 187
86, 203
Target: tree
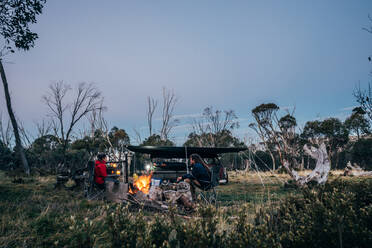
361, 153
15, 18
45, 152
221, 139
86, 100
6, 158
331, 131
118, 139
6, 134
168, 121
278, 134
151, 106
156, 140
264, 115
214, 129
364, 98
356, 123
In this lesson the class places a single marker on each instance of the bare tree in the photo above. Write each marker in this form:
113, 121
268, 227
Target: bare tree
43, 128
168, 120
151, 106
99, 123
214, 127
369, 29
6, 134
26, 136
218, 122
86, 99
203, 136
138, 136
97, 120
364, 98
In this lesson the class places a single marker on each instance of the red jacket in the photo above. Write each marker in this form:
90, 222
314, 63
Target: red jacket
100, 172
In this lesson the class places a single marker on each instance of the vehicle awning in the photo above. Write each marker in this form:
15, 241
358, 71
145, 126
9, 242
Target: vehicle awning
183, 152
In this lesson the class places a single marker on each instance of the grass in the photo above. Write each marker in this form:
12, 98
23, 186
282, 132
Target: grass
33, 213
252, 188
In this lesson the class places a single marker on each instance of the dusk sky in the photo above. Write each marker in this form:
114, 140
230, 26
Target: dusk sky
226, 54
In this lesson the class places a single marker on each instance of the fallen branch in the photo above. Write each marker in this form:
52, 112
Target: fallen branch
355, 171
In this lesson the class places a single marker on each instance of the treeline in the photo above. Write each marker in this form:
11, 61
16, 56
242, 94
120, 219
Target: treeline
282, 141
60, 147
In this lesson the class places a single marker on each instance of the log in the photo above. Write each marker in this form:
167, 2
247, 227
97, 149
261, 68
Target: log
116, 192
355, 170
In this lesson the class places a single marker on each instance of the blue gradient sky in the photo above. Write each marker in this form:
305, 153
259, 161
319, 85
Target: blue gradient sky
226, 54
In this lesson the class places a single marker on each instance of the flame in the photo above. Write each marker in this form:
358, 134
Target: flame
142, 183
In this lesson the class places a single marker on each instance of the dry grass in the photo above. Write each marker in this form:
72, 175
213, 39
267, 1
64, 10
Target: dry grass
34, 212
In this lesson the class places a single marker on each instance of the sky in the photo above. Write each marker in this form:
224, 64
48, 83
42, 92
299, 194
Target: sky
307, 55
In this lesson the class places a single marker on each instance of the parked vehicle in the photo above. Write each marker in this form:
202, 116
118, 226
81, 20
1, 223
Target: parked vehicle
168, 163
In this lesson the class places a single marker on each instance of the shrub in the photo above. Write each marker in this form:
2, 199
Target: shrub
361, 153
6, 157
333, 215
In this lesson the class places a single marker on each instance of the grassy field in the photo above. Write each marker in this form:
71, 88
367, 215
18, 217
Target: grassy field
33, 213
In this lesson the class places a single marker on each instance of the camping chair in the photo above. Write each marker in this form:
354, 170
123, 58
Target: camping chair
208, 193
91, 190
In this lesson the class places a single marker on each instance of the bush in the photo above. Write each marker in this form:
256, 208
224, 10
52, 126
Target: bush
334, 215
329, 215
6, 157
361, 153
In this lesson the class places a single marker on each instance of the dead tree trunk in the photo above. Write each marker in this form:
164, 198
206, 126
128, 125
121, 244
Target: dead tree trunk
322, 168
19, 146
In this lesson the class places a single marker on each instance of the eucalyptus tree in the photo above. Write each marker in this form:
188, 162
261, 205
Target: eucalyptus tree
278, 134
15, 18
331, 131
357, 123
264, 116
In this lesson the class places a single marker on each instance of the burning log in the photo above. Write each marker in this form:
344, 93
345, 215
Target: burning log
141, 183
156, 193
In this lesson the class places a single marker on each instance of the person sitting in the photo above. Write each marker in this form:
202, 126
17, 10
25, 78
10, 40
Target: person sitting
199, 176
100, 171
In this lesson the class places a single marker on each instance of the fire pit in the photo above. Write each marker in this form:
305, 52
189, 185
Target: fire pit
160, 196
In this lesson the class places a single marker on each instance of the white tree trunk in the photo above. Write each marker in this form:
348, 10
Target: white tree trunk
322, 168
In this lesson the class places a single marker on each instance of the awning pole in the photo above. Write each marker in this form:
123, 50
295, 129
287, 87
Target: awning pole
187, 161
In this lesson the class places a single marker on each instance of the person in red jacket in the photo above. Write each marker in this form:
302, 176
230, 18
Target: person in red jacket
100, 172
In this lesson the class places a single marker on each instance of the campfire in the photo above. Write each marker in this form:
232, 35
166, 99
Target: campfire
157, 197
141, 183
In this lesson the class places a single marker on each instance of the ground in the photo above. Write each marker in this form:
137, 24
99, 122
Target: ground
33, 212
